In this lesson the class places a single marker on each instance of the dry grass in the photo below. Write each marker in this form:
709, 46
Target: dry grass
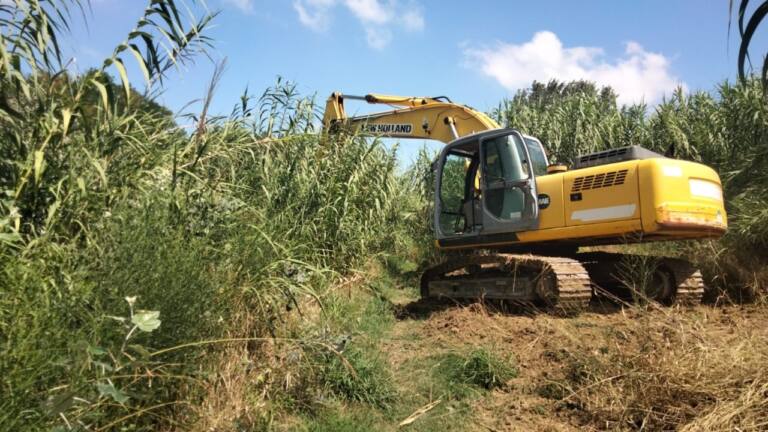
632, 369
235, 390
701, 370
268, 384
637, 368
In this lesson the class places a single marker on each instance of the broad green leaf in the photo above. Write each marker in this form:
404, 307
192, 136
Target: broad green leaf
103, 91
109, 389
140, 60
147, 321
124, 78
748, 33
66, 117
39, 165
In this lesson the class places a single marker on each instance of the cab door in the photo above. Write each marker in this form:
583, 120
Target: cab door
509, 197
457, 202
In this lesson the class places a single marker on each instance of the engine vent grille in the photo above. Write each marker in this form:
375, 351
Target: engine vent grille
597, 181
603, 155
614, 155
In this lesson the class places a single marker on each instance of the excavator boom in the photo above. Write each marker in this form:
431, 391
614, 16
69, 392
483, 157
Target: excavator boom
435, 118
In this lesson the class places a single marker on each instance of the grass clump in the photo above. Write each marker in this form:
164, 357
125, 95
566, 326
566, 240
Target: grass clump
552, 390
479, 368
344, 369
335, 421
356, 375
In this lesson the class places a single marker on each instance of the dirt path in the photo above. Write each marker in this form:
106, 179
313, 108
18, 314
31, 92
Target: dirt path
565, 364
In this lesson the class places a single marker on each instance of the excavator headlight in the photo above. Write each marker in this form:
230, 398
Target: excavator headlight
705, 189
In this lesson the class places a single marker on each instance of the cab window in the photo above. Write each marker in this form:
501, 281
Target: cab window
455, 192
505, 162
505, 159
538, 157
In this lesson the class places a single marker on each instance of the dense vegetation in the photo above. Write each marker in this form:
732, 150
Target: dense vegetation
159, 276
111, 215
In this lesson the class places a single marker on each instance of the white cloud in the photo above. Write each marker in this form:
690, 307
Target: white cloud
377, 17
637, 76
413, 20
378, 38
244, 5
314, 14
369, 11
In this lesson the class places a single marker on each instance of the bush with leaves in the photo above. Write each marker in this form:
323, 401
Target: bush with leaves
216, 233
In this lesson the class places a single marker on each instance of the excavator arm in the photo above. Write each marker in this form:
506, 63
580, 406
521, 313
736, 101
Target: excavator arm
412, 117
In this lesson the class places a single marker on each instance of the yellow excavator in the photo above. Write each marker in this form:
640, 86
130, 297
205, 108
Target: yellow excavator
524, 219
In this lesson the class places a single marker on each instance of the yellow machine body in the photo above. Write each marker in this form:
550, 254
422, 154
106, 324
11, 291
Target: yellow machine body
632, 201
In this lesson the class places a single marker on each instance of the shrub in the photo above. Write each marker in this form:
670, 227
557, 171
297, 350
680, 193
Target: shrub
479, 368
222, 231
357, 375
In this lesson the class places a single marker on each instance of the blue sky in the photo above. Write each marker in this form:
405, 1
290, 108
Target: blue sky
474, 52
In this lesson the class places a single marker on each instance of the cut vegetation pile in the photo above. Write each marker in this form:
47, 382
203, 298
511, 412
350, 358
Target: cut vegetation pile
609, 369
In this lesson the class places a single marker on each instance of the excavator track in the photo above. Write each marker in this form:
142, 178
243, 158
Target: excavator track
560, 283
682, 283
556, 282
690, 283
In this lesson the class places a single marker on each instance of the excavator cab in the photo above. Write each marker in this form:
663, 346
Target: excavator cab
502, 202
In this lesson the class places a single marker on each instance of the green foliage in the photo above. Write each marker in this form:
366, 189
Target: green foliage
419, 181
357, 375
348, 365
336, 422
208, 235
479, 368
258, 221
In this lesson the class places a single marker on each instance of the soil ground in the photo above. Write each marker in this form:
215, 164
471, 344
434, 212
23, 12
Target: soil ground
543, 347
